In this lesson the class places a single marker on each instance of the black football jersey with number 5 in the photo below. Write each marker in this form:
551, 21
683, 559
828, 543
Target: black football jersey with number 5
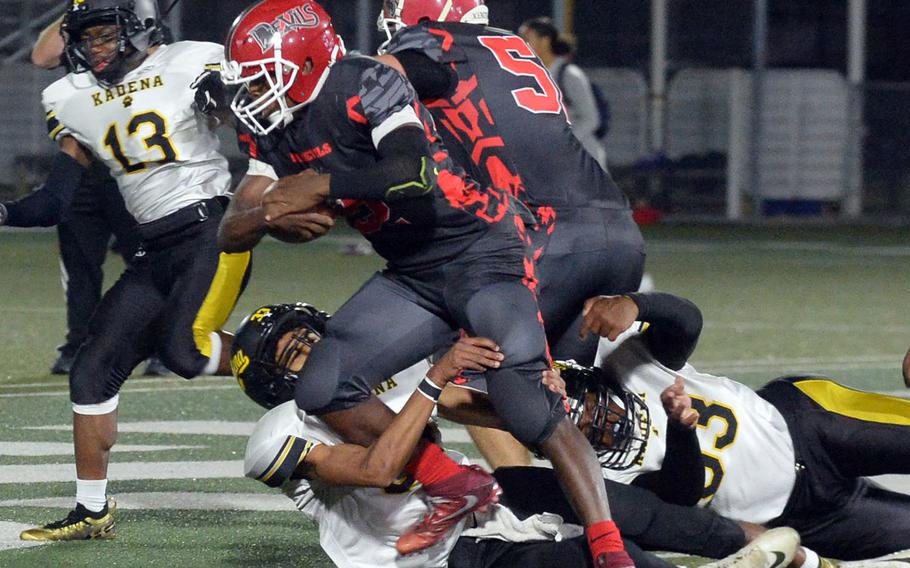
505, 120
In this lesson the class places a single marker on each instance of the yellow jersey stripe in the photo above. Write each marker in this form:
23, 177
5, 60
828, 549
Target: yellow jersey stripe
861, 405
53, 133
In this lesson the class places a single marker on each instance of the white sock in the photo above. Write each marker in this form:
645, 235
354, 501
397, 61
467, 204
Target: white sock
92, 494
215, 357
812, 560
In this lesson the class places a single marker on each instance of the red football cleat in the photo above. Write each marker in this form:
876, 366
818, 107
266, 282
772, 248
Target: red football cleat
473, 489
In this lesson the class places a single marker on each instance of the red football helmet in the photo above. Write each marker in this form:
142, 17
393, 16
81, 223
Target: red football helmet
400, 13
283, 48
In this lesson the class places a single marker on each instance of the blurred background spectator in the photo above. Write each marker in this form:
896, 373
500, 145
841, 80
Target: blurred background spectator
556, 51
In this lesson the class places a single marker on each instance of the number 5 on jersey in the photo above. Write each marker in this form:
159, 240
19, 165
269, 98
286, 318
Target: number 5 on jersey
157, 139
516, 57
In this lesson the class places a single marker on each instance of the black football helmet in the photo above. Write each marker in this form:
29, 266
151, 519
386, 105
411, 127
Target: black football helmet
140, 27
262, 373
620, 422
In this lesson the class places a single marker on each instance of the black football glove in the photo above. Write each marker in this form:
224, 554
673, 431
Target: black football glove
211, 95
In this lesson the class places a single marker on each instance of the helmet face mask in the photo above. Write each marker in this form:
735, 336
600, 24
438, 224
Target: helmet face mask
616, 422
270, 347
138, 28
278, 54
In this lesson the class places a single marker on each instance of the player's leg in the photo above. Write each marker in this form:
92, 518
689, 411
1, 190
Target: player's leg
384, 328
203, 289
565, 553
863, 433
593, 252
640, 515
874, 523
498, 447
507, 312
380, 330
118, 340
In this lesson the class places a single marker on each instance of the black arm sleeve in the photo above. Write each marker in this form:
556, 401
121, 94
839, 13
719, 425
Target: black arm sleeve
46, 205
430, 79
675, 325
404, 170
681, 479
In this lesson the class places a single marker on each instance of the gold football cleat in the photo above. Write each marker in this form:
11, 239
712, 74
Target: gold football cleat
79, 524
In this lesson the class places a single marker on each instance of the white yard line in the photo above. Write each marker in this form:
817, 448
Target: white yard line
66, 472
131, 382
184, 500
9, 535
126, 389
696, 247
66, 448
206, 427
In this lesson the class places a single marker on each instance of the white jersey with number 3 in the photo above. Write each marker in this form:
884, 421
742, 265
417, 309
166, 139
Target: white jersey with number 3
745, 443
162, 152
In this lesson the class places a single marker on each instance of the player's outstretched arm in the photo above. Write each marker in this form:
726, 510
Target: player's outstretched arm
45, 206
382, 462
48, 50
675, 323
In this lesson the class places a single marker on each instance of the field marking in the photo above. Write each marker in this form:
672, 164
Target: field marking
35, 449
804, 326
698, 247
176, 500
66, 472
130, 382
125, 389
9, 535
207, 427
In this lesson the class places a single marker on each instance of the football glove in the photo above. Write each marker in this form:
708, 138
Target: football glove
4, 214
210, 92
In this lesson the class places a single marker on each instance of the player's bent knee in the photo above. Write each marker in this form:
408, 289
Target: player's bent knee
92, 384
531, 424
186, 362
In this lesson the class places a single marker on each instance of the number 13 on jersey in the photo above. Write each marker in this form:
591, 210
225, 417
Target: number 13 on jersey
158, 139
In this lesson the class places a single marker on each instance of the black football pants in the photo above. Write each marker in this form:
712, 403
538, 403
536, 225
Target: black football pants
642, 518
177, 289
590, 252
395, 320
839, 435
